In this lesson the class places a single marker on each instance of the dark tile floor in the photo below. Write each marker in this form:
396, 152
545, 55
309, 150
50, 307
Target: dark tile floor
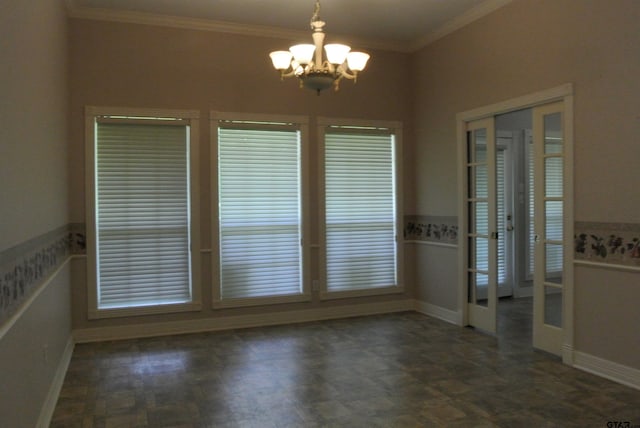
398, 370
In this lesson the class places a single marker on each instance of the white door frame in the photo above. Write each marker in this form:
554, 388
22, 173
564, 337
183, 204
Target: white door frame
562, 93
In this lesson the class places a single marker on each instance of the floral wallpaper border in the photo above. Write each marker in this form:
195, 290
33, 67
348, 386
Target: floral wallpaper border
24, 267
610, 243
441, 229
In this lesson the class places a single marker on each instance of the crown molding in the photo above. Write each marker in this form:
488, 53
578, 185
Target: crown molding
458, 22
144, 18
134, 17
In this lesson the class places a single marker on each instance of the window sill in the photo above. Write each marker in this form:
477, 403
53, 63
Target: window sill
260, 301
329, 295
144, 310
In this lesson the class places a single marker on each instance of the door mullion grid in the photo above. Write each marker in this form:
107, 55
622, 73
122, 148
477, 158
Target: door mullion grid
484, 316
542, 330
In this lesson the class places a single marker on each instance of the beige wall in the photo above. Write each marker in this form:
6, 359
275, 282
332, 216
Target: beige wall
437, 270
115, 64
607, 314
33, 119
33, 196
31, 354
529, 46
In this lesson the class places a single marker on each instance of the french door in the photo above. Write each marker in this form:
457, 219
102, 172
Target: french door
549, 207
488, 223
482, 236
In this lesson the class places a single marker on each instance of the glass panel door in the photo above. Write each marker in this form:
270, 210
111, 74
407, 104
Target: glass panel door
481, 277
549, 227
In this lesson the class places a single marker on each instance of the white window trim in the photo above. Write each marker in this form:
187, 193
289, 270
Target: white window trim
302, 124
396, 128
192, 116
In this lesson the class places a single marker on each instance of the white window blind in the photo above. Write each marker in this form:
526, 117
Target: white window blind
259, 211
553, 183
553, 211
530, 210
482, 217
360, 210
142, 214
501, 172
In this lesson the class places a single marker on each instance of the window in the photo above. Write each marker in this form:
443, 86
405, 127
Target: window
361, 203
141, 225
259, 210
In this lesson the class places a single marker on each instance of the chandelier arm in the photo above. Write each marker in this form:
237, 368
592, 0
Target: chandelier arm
344, 71
285, 73
336, 82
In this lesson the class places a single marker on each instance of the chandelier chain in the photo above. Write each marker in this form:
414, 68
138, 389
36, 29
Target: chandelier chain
316, 14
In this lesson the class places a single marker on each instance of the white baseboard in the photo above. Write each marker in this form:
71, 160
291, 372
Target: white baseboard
49, 406
240, 321
608, 369
567, 354
453, 317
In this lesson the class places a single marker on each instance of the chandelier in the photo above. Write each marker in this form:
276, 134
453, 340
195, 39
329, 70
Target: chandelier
314, 72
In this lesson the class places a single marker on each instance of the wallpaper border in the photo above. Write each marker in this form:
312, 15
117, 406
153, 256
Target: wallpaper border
27, 265
429, 228
616, 244
608, 243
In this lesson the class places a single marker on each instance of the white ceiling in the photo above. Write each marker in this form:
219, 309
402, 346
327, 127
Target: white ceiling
394, 24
